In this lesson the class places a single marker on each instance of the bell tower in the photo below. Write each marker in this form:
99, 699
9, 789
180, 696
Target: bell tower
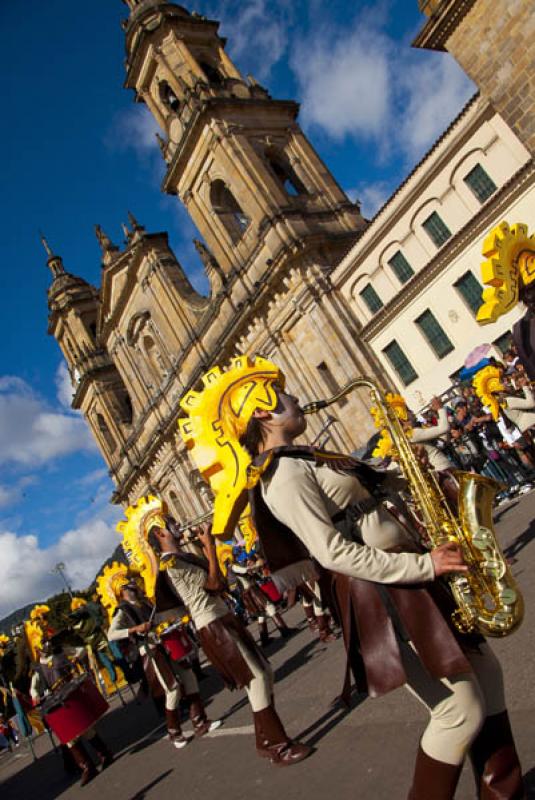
238, 159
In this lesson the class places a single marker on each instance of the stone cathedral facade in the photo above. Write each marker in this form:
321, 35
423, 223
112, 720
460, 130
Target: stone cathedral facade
274, 223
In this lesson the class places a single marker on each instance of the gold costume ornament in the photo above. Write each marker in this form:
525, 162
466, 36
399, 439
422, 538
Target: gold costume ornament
109, 583
385, 445
77, 602
510, 263
143, 515
4, 643
487, 383
217, 418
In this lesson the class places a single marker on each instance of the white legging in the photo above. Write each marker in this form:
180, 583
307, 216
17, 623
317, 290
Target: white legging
457, 706
186, 677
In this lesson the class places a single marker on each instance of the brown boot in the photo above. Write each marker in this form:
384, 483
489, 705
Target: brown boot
311, 618
495, 761
101, 750
324, 629
89, 771
174, 730
264, 635
282, 627
433, 779
273, 742
197, 714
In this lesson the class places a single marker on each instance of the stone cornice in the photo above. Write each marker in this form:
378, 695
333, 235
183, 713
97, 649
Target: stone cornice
472, 230
441, 24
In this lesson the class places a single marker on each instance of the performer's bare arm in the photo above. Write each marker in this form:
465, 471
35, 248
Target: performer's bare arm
214, 582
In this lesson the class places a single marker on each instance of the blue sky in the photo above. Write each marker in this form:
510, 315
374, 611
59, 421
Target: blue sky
77, 151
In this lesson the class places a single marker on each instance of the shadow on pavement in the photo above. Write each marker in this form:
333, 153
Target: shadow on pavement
143, 792
521, 541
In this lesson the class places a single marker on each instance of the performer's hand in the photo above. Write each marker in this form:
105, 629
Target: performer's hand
205, 536
141, 629
436, 403
448, 558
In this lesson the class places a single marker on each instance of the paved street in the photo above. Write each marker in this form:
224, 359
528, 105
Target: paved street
366, 753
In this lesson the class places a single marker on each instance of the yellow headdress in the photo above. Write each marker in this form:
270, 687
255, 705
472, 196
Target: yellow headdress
39, 612
33, 633
510, 254
384, 446
487, 382
109, 584
4, 641
146, 513
77, 602
217, 417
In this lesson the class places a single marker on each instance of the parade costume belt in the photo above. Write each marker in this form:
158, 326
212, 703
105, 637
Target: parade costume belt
218, 640
373, 616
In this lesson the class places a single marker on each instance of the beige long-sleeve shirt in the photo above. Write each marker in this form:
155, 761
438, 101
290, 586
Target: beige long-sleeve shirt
521, 410
425, 436
189, 580
305, 496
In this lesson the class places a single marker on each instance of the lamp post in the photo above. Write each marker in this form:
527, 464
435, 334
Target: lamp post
59, 569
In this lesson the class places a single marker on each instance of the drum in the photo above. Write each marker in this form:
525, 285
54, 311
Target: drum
73, 708
177, 642
269, 589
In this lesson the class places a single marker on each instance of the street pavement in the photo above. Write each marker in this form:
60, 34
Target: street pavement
365, 753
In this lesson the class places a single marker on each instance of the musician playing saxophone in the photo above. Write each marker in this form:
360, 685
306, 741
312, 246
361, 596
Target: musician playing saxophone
330, 506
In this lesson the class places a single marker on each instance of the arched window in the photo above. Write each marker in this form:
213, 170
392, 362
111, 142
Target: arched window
285, 173
168, 97
153, 356
213, 74
226, 207
102, 427
127, 412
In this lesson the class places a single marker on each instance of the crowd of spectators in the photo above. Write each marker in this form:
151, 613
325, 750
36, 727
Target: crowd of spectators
476, 442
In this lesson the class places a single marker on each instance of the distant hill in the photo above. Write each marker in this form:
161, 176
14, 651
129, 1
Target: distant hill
16, 617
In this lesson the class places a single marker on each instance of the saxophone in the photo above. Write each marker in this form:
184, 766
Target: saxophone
487, 597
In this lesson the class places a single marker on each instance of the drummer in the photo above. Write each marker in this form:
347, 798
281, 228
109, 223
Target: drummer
132, 620
53, 671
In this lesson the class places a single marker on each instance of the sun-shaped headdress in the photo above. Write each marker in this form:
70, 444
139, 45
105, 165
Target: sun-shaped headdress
217, 417
109, 584
33, 633
510, 263
487, 382
4, 643
384, 446
40, 612
140, 518
77, 602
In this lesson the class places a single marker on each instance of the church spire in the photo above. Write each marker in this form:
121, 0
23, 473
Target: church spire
55, 263
109, 249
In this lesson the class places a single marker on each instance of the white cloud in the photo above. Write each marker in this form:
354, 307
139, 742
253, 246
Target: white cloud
371, 196
345, 81
64, 387
25, 566
433, 94
257, 31
358, 82
7, 495
31, 433
134, 128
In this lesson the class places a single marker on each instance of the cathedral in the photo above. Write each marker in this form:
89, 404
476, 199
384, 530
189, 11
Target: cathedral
273, 225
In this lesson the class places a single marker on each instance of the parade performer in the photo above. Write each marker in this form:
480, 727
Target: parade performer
133, 618
256, 603
54, 671
305, 501
509, 276
226, 643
